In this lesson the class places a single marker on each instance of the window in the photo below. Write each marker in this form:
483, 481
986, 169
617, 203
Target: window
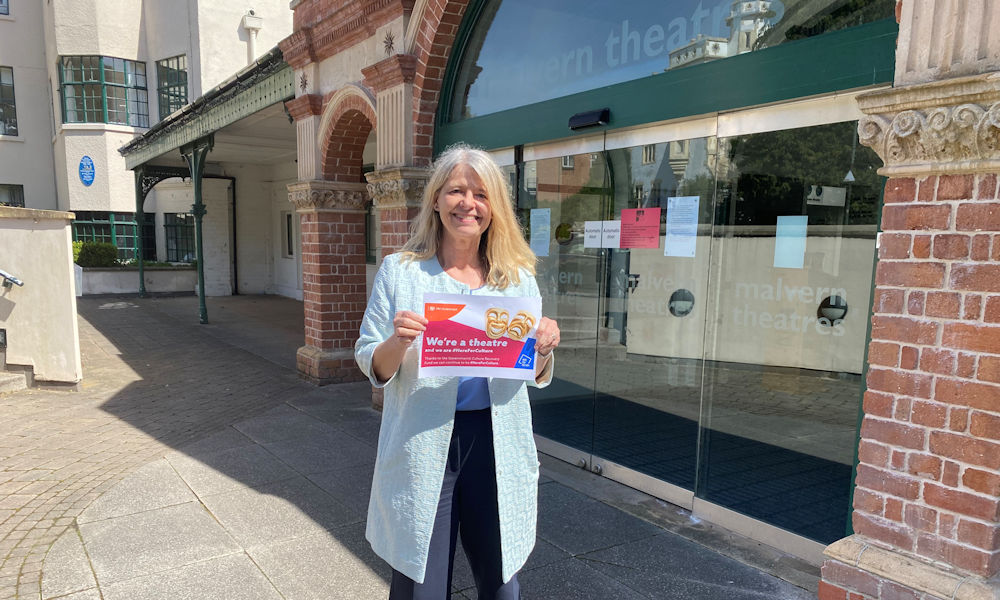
8, 110
288, 235
11, 195
171, 84
115, 228
567, 162
179, 231
4, 7
648, 154
102, 89
637, 192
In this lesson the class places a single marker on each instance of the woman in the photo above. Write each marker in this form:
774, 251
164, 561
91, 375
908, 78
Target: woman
454, 454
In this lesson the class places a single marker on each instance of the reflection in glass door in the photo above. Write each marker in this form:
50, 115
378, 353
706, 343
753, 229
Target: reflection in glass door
723, 359
573, 189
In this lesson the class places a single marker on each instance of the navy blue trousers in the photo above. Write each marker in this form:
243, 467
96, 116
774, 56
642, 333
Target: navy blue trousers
468, 507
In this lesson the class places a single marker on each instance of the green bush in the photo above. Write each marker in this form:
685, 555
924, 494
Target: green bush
98, 254
76, 251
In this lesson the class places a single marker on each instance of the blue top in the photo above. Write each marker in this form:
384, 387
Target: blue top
473, 393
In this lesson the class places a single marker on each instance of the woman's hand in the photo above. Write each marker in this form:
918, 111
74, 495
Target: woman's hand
546, 336
407, 325
388, 355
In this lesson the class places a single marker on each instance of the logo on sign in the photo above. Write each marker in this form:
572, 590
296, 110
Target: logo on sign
87, 170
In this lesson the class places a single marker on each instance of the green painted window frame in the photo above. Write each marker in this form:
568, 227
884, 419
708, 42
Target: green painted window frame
178, 232
171, 84
89, 75
858, 57
8, 103
116, 228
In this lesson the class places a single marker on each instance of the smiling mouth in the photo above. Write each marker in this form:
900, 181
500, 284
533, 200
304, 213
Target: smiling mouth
467, 218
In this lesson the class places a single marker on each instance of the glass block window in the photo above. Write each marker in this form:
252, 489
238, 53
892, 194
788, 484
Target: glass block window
11, 195
8, 109
171, 84
103, 89
116, 228
179, 231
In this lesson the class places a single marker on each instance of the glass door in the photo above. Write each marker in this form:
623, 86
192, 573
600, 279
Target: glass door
565, 192
713, 346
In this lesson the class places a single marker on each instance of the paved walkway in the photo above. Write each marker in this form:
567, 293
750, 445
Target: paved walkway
195, 464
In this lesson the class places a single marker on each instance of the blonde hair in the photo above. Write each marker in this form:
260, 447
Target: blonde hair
502, 248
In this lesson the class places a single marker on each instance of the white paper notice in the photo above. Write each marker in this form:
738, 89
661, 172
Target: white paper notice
790, 242
611, 234
540, 230
592, 234
682, 226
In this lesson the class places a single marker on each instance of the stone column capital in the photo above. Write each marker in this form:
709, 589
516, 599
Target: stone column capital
398, 187
942, 127
311, 196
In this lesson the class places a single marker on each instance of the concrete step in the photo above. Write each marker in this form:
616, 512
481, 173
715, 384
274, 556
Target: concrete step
12, 382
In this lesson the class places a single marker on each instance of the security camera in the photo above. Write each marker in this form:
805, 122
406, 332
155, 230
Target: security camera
251, 12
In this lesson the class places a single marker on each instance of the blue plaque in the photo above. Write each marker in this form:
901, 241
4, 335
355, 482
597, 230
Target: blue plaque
87, 170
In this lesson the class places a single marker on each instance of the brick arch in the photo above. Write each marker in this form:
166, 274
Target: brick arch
432, 46
348, 120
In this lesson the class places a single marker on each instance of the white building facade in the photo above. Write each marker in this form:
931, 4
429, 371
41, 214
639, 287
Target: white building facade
87, 77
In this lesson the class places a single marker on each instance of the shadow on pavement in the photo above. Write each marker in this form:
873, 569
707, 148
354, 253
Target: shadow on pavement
261, 487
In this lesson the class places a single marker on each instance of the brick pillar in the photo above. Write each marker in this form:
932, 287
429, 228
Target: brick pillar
397, 193
927, 503
333, 277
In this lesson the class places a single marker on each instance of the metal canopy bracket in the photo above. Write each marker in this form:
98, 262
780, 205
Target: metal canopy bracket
195, 154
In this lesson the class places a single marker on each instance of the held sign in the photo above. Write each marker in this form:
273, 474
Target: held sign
87, 170
479, 336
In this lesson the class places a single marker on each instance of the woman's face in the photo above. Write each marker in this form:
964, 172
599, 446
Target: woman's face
463, 206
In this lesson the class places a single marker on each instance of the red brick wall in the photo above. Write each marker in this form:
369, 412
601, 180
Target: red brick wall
434, 40
345, 138
333, 278
395, 224
928, 479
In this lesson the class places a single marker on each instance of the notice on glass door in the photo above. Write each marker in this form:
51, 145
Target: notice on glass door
592, 232
682, 226
611, 234
790, 242
541, 223
640, 228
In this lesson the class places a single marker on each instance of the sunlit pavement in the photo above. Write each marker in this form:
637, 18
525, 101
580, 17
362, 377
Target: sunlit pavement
193, 463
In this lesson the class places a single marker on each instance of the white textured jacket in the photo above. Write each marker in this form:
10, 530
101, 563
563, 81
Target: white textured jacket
417, 421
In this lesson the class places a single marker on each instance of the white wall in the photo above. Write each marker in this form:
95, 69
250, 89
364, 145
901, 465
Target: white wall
40, 317
748, 316
26, 159
113, 188
223, 41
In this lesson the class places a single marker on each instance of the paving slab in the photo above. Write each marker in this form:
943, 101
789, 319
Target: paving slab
579, 524
225, 439
152, 486
233, 577
279, 424
673, 568
350, 486
278, 511
154, 541
235, 468
334, 565
68, 568
572, 579
84, 595
322, 451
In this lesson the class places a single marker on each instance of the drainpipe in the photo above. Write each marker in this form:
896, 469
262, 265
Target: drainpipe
252, 23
